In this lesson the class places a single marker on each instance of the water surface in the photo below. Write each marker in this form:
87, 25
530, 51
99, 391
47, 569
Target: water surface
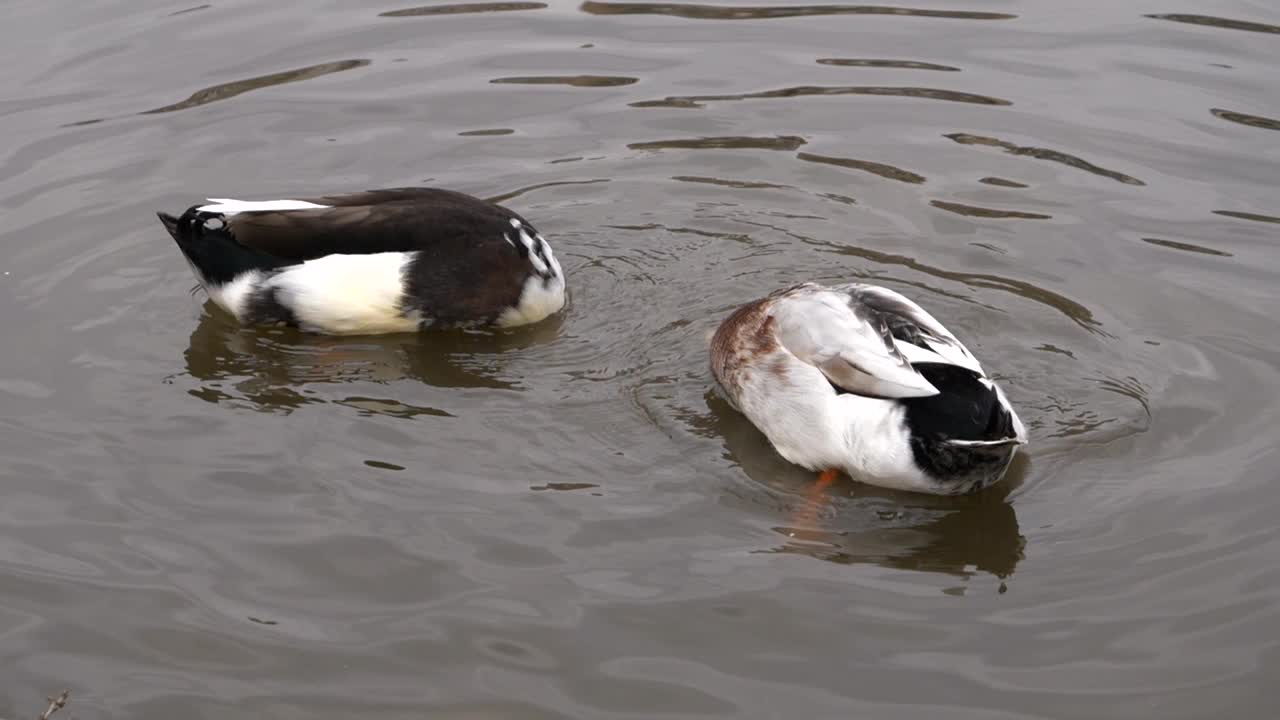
564, 521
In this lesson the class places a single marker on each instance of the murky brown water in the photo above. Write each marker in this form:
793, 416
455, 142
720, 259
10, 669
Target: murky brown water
563, 522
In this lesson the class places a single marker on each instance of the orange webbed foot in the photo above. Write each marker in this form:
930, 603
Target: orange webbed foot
813, 499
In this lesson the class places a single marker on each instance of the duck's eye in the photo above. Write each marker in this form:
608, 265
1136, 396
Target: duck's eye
214, 223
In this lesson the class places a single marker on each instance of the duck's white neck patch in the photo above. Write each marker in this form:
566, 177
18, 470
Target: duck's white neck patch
538, 299
228, 206
234, 296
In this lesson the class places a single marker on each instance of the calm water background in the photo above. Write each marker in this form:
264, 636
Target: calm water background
563, 522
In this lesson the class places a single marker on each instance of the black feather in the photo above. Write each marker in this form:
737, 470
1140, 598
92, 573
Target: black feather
469, 263
212, 249
964, 409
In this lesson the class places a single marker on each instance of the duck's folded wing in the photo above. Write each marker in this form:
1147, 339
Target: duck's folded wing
375, 221
852, 347
916, 334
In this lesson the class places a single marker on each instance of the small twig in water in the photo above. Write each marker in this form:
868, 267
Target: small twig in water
55, 704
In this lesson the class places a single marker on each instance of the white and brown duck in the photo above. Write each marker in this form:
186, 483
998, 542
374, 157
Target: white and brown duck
379, 261
859, 379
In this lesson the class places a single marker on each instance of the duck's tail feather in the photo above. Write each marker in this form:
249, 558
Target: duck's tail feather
207, 242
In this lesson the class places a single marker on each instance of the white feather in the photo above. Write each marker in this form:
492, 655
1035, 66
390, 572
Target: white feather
541, 296
538, 299
817, 429
229, 206
950, 350
347, 294
534, 259
822, 329
233, 296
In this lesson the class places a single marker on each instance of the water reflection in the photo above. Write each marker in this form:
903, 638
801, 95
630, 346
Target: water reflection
1075, 311
780, 142
232, 89
570, 80
736, 184
503, 197
985, 212
1002, 182
460, 8
1130, 387
696, 101
862, 524
283, 369
1251, 120
1043, 154
1218, 22
1186, 246
876, 63
767, 12
875, 168
1256, 217
190, 10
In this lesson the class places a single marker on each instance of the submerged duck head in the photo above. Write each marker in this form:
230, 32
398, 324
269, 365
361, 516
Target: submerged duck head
381, 261
859, 379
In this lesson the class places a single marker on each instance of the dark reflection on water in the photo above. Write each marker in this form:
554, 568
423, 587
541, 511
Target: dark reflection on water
1043, 154
902, 64
1130, 387
1002, 182
239, 87
510, 194
782, 142
564, 486
862, 524
695, 101
875, 168
738, 184
978, 534
278, 369
1218, 22
676, 230
1077, 312
1256, 217
765, 12
1189, 247
1244, 119
190, 10
985, 212
571, 80
463, 8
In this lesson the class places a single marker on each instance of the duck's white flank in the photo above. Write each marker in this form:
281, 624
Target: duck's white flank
813, 427
229, 206
335, 294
